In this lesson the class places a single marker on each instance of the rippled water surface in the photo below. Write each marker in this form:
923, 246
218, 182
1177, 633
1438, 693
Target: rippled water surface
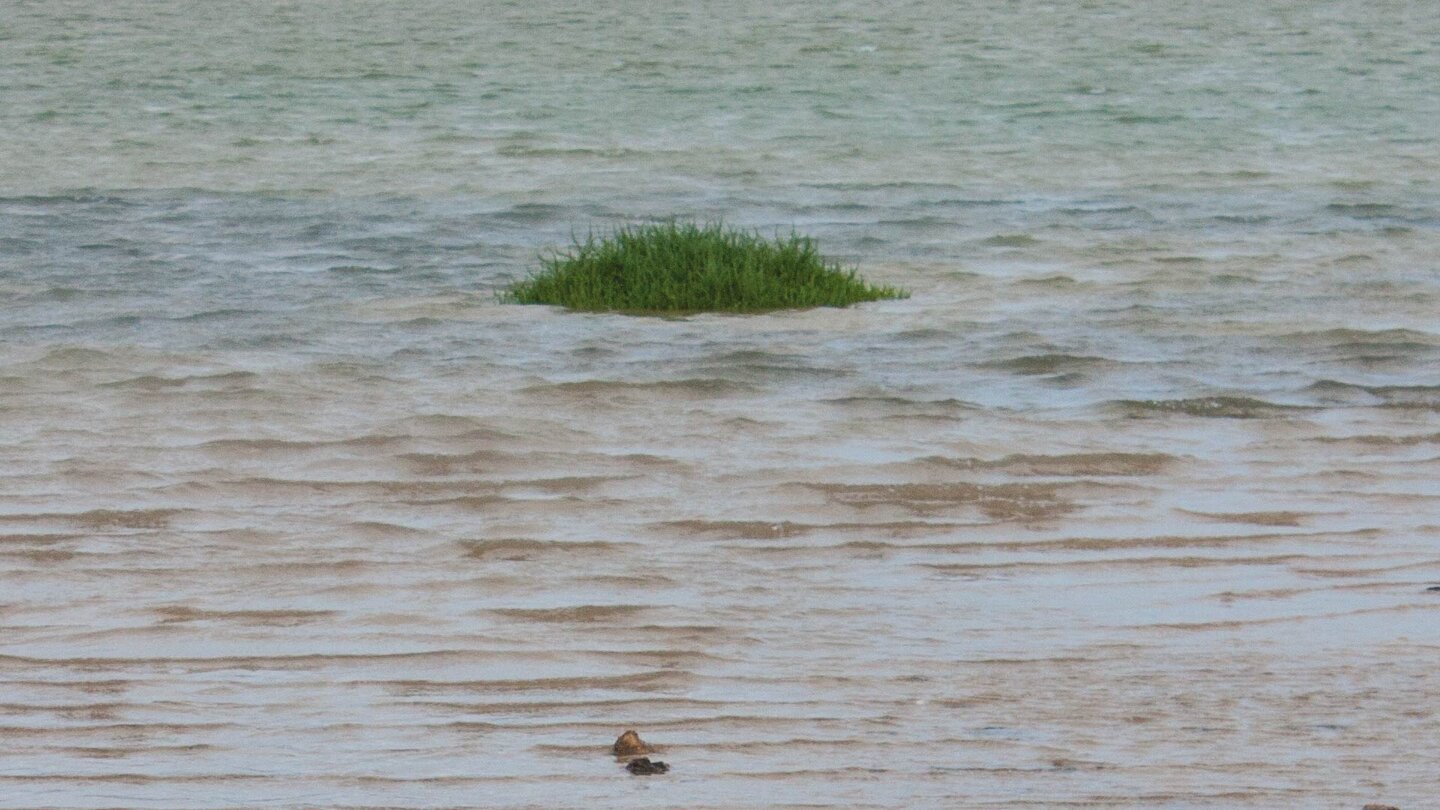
1133, 504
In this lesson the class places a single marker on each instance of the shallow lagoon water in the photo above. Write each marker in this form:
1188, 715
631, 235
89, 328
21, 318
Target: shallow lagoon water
1132, 504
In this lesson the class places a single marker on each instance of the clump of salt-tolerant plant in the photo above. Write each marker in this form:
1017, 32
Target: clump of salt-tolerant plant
679, 267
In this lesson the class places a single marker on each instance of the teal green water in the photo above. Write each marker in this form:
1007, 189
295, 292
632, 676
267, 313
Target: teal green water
547, 101
1132, 504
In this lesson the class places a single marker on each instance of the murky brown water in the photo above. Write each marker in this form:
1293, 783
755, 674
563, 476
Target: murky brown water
322, 584
1133, 504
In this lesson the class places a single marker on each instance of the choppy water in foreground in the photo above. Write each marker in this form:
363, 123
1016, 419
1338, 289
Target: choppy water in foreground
1133, 504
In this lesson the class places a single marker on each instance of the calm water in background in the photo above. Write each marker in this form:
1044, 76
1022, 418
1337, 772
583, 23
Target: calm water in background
1132, 504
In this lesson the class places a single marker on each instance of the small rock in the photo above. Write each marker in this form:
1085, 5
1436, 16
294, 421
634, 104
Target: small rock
644, 767
1433, 589
1379, 807
629, 744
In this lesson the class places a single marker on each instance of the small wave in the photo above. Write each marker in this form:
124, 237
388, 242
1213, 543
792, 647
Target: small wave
647, 681
42, 556
784, 747
125, 518
1133, 118
1382, 440
136, 778
651, 703
1366, 210
442, 464
895, 529
1100, 209
1183, 541
903, 404
1052, 281
1049, 363
129, 731
995, 501
477, 503
917, 222
523, 151
532, 213
78, 198
1243, 219
758, 356
894, 185
963, 202
736, 529
333, 568
251, 446
1223, 407
134, 750
1414, 396
523, 549
1365, 339
449, 426
78, 356
923, 333
14, 246
176, 614
1070, 465
152, 382
1109, 563
260, 662
361, 269
629, 583
568, 484
221, 314
1237, 624
577, 614
1012, 240
380, 529
739, 721
1064, 544
699, 387
47, 539
748, 371
1293, 519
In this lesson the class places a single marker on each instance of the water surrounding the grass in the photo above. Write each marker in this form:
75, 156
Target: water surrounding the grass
1133, 504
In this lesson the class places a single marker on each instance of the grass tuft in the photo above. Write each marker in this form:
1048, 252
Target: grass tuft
685, 267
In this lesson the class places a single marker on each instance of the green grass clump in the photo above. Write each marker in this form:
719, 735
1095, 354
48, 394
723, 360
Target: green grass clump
684, 267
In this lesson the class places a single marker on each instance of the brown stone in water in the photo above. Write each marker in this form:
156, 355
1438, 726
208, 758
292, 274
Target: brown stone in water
1379, 807
630, 745
644, 767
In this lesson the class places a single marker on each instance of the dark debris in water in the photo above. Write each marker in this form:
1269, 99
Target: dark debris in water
630, 746
644, 767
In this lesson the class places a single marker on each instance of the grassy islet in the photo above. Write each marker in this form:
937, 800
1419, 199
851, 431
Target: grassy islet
681, 268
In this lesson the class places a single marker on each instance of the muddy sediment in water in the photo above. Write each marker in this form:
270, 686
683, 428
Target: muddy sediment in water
1131, 505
